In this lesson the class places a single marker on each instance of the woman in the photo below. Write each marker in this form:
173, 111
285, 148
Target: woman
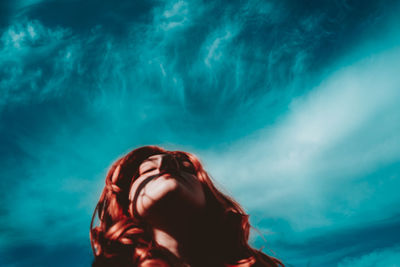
160, 208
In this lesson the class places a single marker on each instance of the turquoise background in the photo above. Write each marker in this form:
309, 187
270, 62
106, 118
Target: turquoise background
292, 106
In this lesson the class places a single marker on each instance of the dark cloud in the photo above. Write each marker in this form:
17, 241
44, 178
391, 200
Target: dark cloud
59, 254
81, 17
330, 248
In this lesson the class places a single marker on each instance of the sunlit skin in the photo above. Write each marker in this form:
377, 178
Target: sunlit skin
172, 204
186, 188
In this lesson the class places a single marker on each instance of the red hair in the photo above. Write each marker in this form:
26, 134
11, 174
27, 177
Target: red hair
123, 238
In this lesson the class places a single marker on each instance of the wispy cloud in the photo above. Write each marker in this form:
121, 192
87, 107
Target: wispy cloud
330, 138
34, 61
176, 15
382, 257
329, 163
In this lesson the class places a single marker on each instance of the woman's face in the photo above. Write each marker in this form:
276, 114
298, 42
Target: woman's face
163, 185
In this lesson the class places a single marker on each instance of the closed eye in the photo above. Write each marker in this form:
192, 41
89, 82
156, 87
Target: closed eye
147, 166
188, 167
147, 170
150, 164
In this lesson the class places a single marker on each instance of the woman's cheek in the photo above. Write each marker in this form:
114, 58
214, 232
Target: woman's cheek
154, 263
193, 191
154, 192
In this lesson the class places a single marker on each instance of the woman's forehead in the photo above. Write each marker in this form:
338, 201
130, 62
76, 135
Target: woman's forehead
154, 160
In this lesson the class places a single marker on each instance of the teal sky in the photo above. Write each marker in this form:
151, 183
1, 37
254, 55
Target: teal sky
292, 106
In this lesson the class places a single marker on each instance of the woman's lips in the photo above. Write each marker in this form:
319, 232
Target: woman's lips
139, 189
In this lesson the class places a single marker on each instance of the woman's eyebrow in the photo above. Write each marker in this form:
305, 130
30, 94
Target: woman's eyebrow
144, 166
148, 160
153, 157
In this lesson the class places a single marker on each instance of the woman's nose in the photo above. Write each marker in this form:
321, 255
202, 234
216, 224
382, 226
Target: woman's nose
169, 164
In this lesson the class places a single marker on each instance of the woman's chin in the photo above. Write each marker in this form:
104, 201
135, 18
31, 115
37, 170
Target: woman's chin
161, 192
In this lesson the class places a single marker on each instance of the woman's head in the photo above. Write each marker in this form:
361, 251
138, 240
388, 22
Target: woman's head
150, 183
161, 178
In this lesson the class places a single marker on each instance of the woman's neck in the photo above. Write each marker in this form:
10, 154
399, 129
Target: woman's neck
188, 239
167, 241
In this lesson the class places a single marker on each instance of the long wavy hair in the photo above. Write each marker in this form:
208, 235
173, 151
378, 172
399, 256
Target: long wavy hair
120, 237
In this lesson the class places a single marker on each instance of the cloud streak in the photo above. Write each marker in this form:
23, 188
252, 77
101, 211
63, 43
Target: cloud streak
23, 78
385, 257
